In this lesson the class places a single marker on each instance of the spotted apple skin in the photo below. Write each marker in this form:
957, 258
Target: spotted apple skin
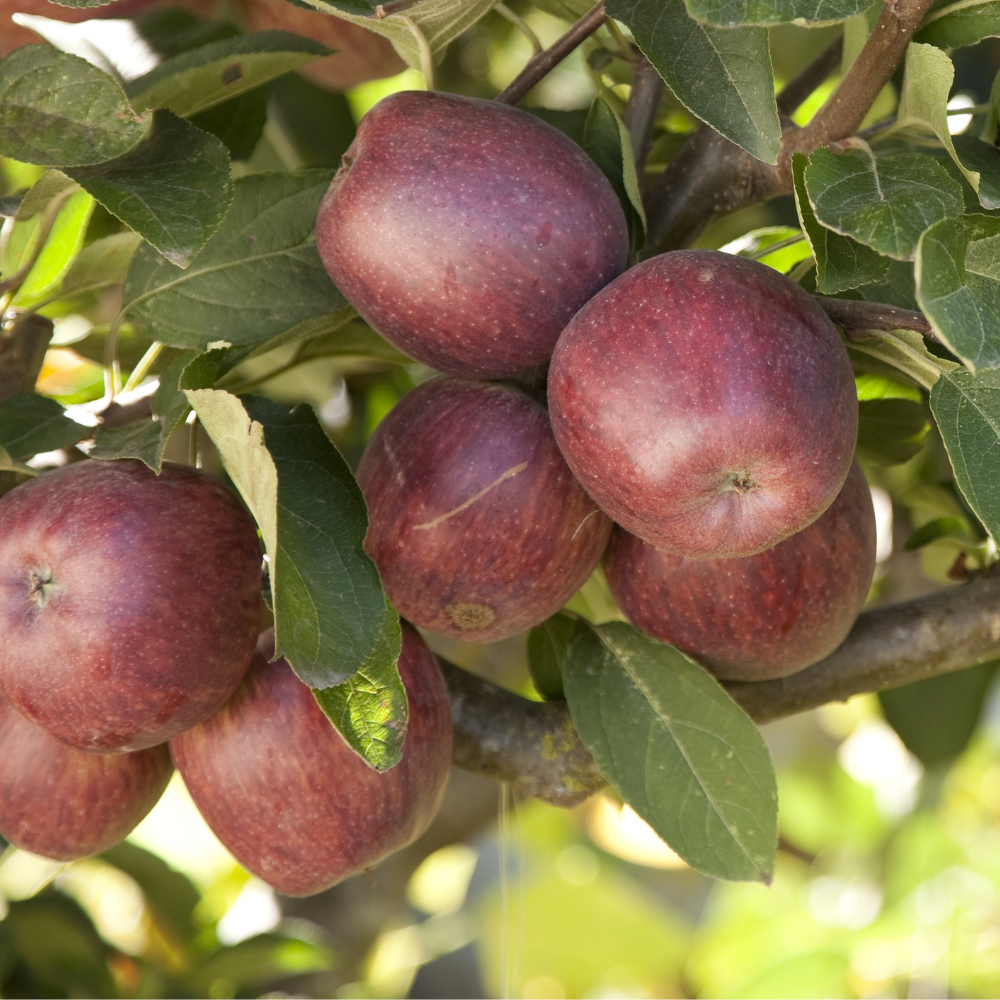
763, 616
64, 803
476, 524
468, 232
129, 602
290, 799
706, 403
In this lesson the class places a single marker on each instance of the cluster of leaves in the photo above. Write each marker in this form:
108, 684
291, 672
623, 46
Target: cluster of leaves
218, 275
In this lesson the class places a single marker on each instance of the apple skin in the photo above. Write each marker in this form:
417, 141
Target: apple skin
763, 616
63, 803
706, 403
476, 524
129, 602
360, 54
290, 799
468, 232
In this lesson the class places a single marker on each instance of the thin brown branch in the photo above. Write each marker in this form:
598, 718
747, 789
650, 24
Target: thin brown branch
860, 315
542, 63
535, 747
23, 343
800, 87
643, 103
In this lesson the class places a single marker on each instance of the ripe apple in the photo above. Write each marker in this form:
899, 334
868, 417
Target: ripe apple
290, 799
468, 232
762, 616
706, 403
128, 601
63, 803
360, 54
476, 524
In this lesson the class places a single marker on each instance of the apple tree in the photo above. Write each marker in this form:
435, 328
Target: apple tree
159, 243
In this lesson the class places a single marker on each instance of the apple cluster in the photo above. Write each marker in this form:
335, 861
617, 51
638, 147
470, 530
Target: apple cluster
129, 614
701, 410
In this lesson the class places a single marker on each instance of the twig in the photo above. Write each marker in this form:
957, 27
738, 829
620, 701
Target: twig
859, 315
800, 87
519, 22
643, 103
539, 65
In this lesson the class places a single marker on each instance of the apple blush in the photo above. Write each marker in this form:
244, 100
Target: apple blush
290, 799
468, 232
706, 403
128, 601
476, 524
762, 616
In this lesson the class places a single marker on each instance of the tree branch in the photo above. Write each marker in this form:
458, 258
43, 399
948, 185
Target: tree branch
859, 315
800, 87
534, 746
643, 103
542, 63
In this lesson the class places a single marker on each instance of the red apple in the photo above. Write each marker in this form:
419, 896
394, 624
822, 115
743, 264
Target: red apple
763, 616
63, 803
468, 232
290, 799
706, 403
360, 54
476, 524
128, 601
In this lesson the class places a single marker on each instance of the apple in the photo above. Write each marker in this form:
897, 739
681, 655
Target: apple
360, 54
763, 616
129, 601
468, 232
476, 524
63, 803
706, 403
290, 799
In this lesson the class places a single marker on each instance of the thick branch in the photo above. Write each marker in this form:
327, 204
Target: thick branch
534, 746
859, 315
23, 343
542, 63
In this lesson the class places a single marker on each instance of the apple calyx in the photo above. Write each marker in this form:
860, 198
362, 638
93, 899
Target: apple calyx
739, 482
41, 586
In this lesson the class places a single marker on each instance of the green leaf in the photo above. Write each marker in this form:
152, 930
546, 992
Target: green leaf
173, 189
547, 645
884, 202
31, 424
298, 105
891, 431
57, 110
967, 410
677, 747
103, 262
250, 964
259, 276
898, 353
958, 286
210, 74
841, 262
607, 142
955, 25
63, 244
731, 13
984, 159
722, 75
940, 527
897, 288
239, 122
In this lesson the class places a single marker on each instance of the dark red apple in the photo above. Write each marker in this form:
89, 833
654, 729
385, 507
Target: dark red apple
763, 616
476, 524
63, 803
706, 403
468, 232
290, 799
359, 54
128, 601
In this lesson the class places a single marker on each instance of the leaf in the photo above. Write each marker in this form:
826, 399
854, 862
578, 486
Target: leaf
955, 25
31, 424
967, 410
547, 645
259, 276
298, 104
940, 527
103, 262
721, 75
923, 100
258, 960
731, 13
63, 244
897, 288
607, 142
677, 748
239, 122
210, 74
57, 110
173, 189
891, 431
958, 286
884, 202
841, 263
984, 159
899, 352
